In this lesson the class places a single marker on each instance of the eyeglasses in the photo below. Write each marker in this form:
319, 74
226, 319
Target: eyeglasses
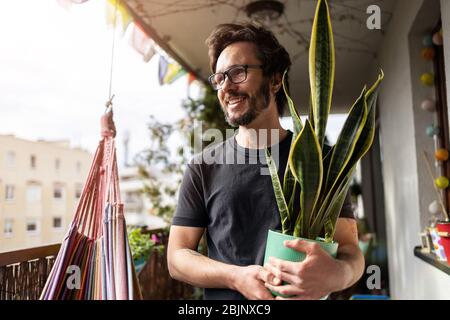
235, 74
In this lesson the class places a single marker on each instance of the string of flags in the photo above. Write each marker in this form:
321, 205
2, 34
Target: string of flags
124, 18
169, 70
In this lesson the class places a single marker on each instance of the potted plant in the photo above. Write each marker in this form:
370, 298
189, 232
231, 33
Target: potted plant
322, 176
440, 230
142, 246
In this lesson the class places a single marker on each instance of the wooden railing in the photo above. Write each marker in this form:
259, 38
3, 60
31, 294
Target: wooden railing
154, 278
23, 274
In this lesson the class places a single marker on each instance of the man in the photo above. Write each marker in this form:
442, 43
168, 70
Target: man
235, 203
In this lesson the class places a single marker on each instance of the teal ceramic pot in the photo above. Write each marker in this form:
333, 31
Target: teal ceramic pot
275, 248
139, 264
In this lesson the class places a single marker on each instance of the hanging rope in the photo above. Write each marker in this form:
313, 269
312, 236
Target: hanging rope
96, 244
110, 95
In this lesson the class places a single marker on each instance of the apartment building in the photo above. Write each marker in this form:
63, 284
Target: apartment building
138, 207
40, 185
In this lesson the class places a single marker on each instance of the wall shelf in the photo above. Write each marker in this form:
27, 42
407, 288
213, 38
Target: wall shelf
431, 259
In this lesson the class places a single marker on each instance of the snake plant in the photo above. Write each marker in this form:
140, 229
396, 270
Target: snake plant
322, 178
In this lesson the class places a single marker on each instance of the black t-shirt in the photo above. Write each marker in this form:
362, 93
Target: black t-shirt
227, 190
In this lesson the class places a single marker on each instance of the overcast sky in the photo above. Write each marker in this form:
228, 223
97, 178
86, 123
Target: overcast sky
54, 77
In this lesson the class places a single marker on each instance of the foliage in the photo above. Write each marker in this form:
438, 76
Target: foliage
158, 157
142, 245
323, 178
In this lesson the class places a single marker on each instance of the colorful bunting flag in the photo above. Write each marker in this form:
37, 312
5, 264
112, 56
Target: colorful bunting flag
191, 78
123, 16
142, 43
169, 72
162, 69
174, 72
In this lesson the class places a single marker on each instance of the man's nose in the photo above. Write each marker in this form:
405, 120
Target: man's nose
227, 85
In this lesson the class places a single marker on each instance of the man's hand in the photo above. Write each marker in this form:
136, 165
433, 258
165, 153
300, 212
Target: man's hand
313, 278
249, 281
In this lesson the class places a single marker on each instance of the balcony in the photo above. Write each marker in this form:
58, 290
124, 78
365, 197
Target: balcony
23, 274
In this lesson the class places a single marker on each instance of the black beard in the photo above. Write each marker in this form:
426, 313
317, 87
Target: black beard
257, 104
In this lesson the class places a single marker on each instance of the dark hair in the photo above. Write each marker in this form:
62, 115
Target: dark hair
271, 53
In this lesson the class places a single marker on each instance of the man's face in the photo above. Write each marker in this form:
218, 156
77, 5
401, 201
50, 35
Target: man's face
243, 102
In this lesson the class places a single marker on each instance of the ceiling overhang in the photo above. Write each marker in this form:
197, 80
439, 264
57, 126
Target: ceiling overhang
181, 28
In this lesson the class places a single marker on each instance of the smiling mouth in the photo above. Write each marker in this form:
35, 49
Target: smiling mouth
235, 101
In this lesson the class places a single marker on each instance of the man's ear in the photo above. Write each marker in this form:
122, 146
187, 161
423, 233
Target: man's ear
276, 83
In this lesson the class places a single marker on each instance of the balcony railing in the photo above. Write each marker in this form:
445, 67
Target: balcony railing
23, 274
154, 278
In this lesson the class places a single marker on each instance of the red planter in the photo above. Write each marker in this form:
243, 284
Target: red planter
444, 227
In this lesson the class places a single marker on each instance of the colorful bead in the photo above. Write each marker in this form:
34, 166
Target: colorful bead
434, 207
441, 182
441, 154
427, 41
428, 105
427, 79
428, 53
432, 130
438, 39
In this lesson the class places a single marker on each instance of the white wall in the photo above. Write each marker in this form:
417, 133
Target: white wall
402, 133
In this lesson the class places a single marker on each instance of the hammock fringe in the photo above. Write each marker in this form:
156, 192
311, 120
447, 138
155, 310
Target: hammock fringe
96, 243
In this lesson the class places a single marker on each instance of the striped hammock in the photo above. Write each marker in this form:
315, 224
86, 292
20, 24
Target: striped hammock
95, 260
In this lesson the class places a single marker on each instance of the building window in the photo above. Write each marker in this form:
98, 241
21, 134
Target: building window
9, 192
34, 192
33, 162
32, 227
57, 164
57, 222
78, 189
8, 228
58, 191
78, 167
11, 159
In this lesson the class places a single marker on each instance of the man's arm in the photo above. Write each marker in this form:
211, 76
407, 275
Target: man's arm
187, 265
349, 252
319, 274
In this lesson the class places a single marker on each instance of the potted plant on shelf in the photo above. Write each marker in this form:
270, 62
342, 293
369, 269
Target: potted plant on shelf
440, 232
322, 176
142, 246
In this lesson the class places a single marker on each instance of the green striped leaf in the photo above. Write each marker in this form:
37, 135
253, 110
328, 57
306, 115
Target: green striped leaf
362, 145
281, 201
334, 209
324, 213
366, 137
321, 68
293, 111
289, 183
305, 161
346, 141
